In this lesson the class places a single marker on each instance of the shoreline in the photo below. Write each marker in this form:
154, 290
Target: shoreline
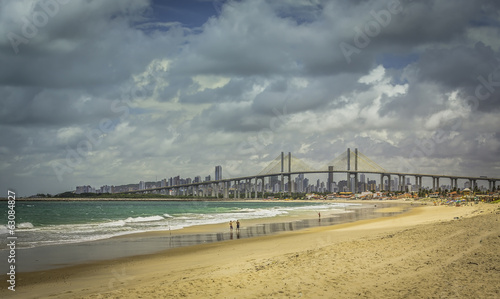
339, 200
55, 256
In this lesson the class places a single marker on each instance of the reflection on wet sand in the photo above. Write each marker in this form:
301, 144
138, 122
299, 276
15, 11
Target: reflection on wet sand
50, 257
355, 214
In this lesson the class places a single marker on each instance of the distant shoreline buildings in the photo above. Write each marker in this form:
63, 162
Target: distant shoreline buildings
300, 184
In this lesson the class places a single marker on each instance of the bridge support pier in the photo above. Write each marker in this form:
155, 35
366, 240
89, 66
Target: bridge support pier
348, 178
263, 187
245, 187
256, 185
382, 185
356, 187
289, 185
253, 187
435, 184
248, 189
226, 193
418, 182
472, 184
282, 183
237, 183
250, 186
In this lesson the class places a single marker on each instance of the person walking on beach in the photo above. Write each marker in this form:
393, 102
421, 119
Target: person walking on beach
231, 225
237, 225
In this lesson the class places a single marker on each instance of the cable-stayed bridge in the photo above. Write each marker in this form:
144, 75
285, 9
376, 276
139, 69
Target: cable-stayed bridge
352, 163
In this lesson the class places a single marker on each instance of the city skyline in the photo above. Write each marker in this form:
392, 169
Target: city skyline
300, 185
111, 92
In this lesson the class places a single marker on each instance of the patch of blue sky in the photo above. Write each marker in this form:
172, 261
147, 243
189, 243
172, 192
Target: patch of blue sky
189, 13
486, 22
396, 61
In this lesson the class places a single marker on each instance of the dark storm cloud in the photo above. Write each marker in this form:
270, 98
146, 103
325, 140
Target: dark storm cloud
51, 107
82, 44
234, 117
457, 67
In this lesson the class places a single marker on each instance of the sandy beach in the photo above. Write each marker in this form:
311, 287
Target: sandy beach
428, 252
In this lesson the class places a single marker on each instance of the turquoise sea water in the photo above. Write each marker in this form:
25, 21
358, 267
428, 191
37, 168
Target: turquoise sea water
59, 222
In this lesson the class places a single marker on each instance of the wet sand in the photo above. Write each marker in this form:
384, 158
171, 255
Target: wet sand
64, 255
430, 251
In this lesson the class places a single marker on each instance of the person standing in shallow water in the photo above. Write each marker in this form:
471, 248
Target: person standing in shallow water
231, 225
237, 225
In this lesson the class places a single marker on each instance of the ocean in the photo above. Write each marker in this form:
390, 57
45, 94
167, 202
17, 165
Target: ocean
40, 223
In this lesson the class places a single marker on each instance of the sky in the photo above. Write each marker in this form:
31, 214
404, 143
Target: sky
116, 92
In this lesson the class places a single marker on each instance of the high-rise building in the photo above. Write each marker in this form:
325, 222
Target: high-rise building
362, 178
334, 187
106, 189
343, 186
330, 179
299, 181
277, 187
372, 185
142, 185
218, 172
273, 181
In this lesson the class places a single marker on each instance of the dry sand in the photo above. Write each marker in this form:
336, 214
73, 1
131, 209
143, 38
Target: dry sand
429, 252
